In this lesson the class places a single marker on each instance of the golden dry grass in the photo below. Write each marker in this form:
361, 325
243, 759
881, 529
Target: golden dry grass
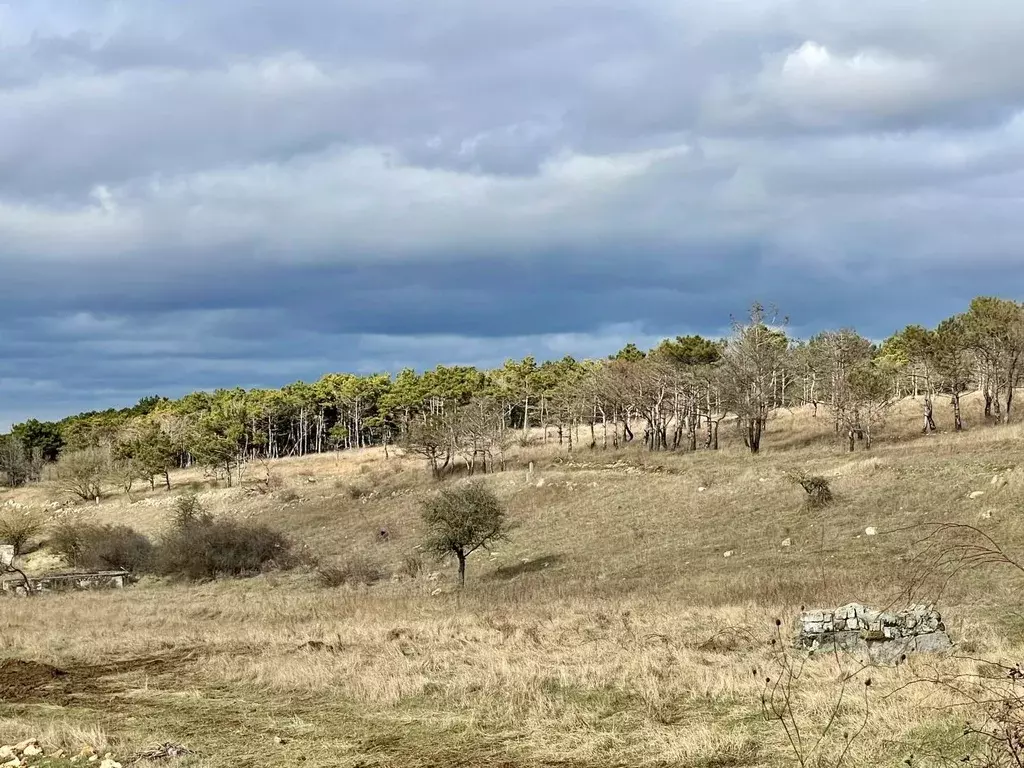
610, 631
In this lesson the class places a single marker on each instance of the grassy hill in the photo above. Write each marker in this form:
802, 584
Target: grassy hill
612, 629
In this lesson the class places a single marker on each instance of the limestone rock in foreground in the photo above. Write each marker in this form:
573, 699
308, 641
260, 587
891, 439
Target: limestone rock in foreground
885, 636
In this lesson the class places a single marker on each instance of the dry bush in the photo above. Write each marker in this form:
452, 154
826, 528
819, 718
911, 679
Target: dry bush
102, 547
818, 489
19, 528
81, 473
357, 570
356, 492
412, 566
198, 546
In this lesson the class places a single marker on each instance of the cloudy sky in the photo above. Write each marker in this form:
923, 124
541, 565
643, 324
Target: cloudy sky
197, 194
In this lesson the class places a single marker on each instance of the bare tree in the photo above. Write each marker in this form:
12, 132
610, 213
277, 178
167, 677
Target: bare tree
431, 437
995, 330
17, 467
754, 357
862, 401
81, 473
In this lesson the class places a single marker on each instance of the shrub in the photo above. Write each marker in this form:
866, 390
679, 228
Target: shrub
356, 492
357, 570
18, 529
81, 473
818, 489
198, 546
412, 566
102, 547
188, 510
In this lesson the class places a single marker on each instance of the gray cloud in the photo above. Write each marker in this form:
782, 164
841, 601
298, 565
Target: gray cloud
199, 194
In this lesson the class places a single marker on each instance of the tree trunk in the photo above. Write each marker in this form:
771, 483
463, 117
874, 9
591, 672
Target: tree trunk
852, 436
462, 567
754, 428
1009, 404
167, 479
929, 420
958, 423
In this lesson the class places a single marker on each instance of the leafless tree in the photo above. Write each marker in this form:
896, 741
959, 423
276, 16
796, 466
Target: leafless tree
754, 356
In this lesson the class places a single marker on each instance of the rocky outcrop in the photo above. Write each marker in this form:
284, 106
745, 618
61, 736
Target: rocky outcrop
884, 636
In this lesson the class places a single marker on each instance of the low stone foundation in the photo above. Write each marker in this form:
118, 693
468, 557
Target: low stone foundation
886, 636
65, 582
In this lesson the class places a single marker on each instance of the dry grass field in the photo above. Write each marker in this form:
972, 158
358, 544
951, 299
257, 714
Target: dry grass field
611, 631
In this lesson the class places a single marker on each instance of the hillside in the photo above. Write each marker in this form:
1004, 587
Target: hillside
612, 629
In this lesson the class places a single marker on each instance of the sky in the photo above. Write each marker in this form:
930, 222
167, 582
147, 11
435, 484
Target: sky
199, 194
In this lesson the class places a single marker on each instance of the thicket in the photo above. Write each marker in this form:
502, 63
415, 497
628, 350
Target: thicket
195, 546
102, 547
200, 546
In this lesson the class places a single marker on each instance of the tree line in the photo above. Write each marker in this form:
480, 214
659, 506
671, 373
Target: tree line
669, 398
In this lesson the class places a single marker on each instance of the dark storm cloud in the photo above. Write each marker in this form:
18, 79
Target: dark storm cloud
199, 194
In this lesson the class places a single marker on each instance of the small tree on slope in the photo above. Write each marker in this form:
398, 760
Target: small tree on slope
462, 520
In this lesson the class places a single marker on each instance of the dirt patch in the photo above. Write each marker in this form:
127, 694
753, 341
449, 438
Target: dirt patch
21, 680
30, 681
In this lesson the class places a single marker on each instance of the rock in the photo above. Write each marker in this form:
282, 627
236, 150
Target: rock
279, 740
730, 553
31, 750
540, 483
871, 531
25, 745
787, 542
986, 515
109, 762
701, 489
6, 753
14, 762
976, 495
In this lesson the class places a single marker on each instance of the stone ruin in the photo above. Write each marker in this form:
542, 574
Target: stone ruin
885, 636
65, 582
